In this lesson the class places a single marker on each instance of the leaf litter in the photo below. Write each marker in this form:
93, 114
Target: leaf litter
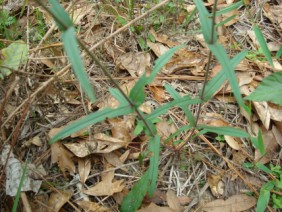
109, 158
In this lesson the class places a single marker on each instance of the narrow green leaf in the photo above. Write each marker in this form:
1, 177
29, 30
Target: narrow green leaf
231, 131
214, 84
184, 101
206, 22
154, 148
221, 55
260, 143
264, 197
181, 129
91, 119
263, 44
134, 198
60, 14
225, 21
71, 48
229, 8
279, 53
137, 94
269, 89
16, 202
118, 96
161, 61
263, 168
176, 95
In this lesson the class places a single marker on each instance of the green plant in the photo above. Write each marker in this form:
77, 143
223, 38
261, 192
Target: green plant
146, 122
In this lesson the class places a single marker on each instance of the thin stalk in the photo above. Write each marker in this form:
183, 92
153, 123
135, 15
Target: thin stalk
205, 81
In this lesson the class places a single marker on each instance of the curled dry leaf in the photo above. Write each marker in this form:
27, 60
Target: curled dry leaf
63, 157
216, 185
92, 206
165, 130
58, 199
240, 202
173, 201
135, 63
232, 142
114, 160
106, 187
84, 167
153, 208
102, 143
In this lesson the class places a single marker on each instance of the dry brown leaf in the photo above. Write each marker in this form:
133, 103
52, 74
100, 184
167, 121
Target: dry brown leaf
122, 129
173, 201
106, 187
153, 208
275, 112
238, 157
84, 167
232, 142
79, 12
214, 119
57, 200
102, 143
273, 12
271, 148
92, 206
114, 160
135, 63
216, 185
165, 130
164, 39
158, 48
277, 134
158, 93
240, 202
124, 156
63, 157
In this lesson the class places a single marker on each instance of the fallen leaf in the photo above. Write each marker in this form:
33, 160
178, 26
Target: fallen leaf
102, 143
216, 185
106, 187
153, 208
63, 157
135, 63
273, 12
122, 129
158, 48
58, 199
240, 202
277, 134
173, 202
114, 160
92, 206
84, 167
158, 93
164, 129
232, 142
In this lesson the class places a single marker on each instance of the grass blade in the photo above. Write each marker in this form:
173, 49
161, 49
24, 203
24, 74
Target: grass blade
91, 119
16, 202
71, 48
263, 44
229, 8
231, 131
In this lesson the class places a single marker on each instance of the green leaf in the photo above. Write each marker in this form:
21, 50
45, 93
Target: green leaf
16, 202
137, 94
62, 18
71, 48
161, 61
184, 101
206, 22
229, 8
134, 198
214, 84
258, 143
277, 201
154, 147
263, 44
231, 131
12, 57
181, 129
279, 53
225, 21
118, 96
263, 168
91, 119
269, 89
264, 197
176, 95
